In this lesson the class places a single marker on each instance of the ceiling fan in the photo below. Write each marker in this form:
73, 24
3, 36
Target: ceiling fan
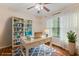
39, 7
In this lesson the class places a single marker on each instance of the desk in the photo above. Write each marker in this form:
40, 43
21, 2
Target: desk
34, 42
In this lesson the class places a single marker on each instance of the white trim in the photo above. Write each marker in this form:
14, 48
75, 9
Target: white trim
5, 46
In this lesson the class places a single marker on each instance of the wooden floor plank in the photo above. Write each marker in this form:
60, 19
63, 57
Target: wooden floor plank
6, 51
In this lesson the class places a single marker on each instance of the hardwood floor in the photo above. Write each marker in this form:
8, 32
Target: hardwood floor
59, 51
6, 51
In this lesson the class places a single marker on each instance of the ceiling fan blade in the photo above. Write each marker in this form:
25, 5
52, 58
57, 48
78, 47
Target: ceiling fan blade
46, 8
31, 7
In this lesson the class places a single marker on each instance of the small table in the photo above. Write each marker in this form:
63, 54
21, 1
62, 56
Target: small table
34, 42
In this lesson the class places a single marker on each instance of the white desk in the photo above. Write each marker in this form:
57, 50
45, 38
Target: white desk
34, 42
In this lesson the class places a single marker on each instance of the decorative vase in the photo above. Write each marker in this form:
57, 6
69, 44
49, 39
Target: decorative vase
72, 48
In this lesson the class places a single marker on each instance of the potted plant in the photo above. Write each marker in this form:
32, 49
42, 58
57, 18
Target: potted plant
72, 42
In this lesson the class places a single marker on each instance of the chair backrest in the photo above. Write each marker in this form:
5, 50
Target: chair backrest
38, 34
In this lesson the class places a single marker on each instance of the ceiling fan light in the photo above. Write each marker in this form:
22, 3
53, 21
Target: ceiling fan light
39, 7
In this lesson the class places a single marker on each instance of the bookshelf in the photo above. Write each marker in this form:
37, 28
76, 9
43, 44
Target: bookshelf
17, 32
28, 28
20, 27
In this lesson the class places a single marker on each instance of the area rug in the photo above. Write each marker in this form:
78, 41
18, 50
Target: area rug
42, 50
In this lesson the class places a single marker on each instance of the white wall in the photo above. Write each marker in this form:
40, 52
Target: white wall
5, 24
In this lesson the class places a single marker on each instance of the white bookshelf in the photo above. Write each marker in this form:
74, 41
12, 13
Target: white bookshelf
17, 32
19, 28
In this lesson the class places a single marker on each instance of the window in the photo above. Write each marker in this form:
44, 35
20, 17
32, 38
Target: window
53, 26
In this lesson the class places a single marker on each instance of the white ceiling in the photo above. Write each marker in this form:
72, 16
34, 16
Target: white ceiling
22, 7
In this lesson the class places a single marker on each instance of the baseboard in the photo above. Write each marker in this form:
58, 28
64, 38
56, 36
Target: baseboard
5, 46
